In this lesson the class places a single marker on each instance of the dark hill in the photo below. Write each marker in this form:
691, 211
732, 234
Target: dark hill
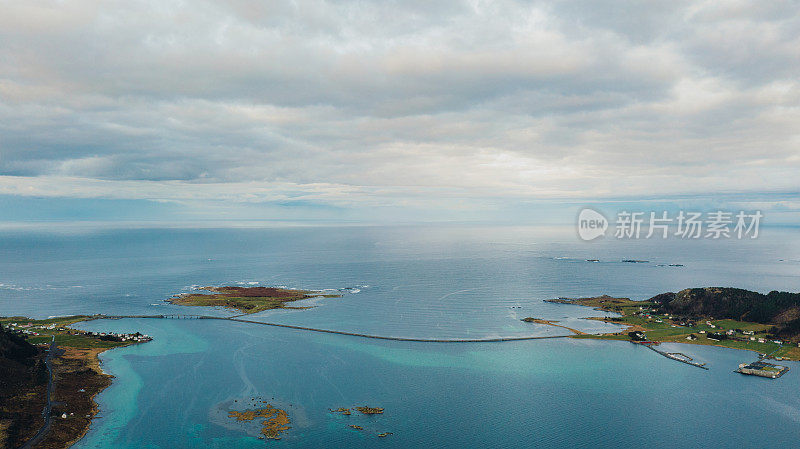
16, 355
781, 309
23, 379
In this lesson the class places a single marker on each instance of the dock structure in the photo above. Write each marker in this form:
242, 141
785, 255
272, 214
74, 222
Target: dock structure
683, 358
762, 369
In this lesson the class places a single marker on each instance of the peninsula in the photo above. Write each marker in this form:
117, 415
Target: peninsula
247, 299
49, 376
727, 317
553, 323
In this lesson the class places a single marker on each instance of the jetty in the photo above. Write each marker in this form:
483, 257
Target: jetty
680, 357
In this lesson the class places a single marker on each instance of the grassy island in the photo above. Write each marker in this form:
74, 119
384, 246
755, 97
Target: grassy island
247, 299
29, 350
676, 317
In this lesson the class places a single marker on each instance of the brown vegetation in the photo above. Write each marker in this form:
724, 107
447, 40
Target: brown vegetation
245, 299
78, 380
276, 421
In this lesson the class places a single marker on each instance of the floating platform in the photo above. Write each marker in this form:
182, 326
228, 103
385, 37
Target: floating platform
762, 369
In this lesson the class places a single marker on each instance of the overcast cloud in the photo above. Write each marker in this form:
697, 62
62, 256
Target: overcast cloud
351, 104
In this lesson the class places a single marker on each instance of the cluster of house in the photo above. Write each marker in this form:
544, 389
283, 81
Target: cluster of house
647, 314
119, 337
38, 329
732, 334
33, 329
739, 335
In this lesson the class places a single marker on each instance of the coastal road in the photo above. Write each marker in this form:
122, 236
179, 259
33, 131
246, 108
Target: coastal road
53, 351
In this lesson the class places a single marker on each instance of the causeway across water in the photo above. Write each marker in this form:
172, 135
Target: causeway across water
328, 331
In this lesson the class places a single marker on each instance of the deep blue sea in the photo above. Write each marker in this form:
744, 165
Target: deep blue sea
405, 281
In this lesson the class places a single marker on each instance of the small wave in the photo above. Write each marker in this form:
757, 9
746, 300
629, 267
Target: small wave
16, 287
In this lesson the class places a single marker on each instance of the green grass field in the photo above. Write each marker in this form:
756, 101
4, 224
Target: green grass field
64, 338
76, 341
669, 331
59, 321
249, 304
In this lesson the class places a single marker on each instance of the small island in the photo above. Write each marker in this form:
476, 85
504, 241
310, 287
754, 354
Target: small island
727, 317
276, 421
367, 411
247, 299
370, 410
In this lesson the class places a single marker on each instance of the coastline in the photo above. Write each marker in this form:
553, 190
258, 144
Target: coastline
77, 376
95, 407
665, 328
668, 329
632, 328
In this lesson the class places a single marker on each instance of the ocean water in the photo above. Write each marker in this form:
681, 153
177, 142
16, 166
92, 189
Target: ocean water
426, 282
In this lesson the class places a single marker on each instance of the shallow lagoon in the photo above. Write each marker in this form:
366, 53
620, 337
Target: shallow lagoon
565, 393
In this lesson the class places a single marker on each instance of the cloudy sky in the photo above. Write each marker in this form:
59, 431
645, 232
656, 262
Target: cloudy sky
400, 109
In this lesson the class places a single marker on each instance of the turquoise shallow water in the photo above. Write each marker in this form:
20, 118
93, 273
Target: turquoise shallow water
562, 393
414, 282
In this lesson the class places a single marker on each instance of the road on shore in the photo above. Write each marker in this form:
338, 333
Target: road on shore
52, 351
